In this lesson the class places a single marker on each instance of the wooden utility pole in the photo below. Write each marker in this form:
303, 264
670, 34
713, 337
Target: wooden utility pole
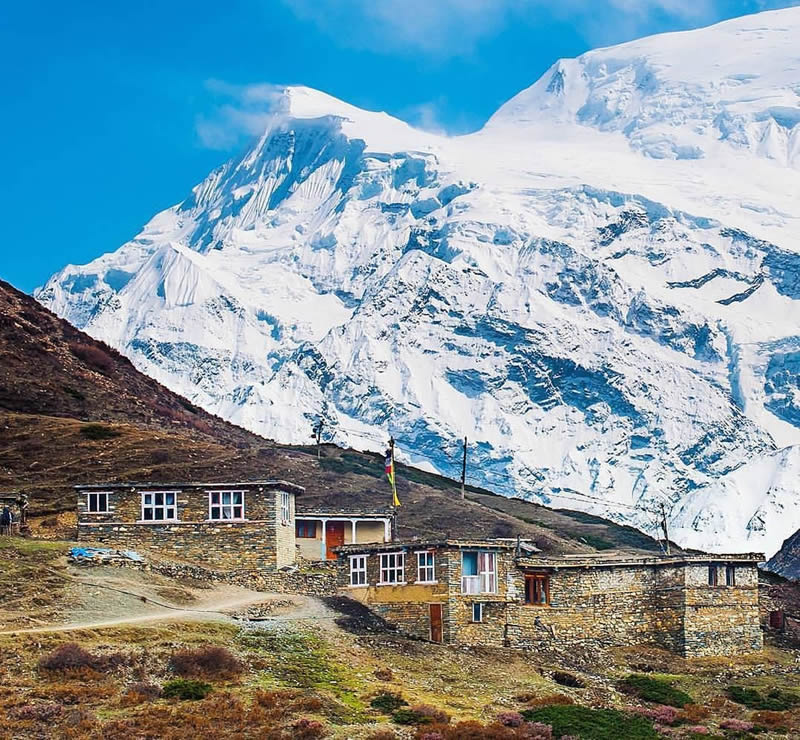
464, 470
664, 526
317, 432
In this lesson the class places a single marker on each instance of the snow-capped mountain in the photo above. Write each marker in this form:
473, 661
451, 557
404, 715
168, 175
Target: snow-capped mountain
600, 289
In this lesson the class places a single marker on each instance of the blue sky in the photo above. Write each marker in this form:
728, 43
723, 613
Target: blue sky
112, 111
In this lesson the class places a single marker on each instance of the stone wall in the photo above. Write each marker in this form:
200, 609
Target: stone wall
260, 542
603, 606
722, 620
668, 604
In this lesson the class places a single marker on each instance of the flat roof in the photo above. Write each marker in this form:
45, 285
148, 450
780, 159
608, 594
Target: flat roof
350, 513
291, 487
621, 559
485, 544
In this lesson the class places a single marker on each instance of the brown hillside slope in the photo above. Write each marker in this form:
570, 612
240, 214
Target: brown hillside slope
57, 385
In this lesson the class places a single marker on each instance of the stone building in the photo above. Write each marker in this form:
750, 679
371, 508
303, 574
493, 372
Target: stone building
242, 527
503, 593
320, 532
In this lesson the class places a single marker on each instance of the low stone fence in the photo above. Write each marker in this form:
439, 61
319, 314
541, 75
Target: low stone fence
317, 579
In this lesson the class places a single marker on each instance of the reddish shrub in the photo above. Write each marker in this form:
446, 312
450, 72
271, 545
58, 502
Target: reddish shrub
767, 718
434, 714
36, 712
662, 715
510, 719
71, 656
383, 735
307, 729
383, 674
93, 356
695, 713
138, 693
209, 660
737, 725
696, 730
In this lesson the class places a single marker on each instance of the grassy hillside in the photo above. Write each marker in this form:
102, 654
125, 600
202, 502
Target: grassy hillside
72, 410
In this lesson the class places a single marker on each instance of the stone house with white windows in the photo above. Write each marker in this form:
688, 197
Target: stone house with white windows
235, 527
505, 593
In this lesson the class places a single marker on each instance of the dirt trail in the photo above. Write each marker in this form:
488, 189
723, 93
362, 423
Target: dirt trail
219, 609
105, 596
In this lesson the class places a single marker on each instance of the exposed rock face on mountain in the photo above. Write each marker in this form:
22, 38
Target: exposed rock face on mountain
600, 289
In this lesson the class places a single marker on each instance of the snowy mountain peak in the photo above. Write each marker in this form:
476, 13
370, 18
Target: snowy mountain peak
599, 289
680, 95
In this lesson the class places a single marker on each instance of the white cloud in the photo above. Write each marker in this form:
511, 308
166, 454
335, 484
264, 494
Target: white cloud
242, 111
454, 27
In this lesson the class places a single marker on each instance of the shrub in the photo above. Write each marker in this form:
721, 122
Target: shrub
388, 702
138, 693
434, 714
567, 679
592, 724
186, 689
694, 713
99, 431
382, 735
768, 718
36, 712
510, 719
307, 729
209, 660
736, 725
697, 730
663, 715
383, 674
410, 717
93, 356
655, 690
70, 656
551, 700
775, 700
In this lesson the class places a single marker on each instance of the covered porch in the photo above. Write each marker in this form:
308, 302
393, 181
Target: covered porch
318, 533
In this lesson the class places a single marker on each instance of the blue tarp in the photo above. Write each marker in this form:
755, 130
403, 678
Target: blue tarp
102, 554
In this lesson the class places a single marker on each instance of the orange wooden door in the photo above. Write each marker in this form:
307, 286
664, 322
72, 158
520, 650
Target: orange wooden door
436, 622
334, 537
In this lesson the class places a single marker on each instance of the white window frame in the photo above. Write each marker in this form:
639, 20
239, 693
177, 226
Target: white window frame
358, 571
423, 566
485, 580
399, 571
479, 606
97, 495
163, 506
286, 507
220, 492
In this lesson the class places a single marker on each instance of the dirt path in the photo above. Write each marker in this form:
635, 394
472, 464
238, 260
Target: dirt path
217, 609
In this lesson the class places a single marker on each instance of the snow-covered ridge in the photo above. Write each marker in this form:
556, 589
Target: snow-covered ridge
611, 323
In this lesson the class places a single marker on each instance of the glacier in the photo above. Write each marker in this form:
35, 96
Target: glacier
600, 288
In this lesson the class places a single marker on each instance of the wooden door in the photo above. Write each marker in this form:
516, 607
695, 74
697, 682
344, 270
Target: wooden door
436, 622
334, 537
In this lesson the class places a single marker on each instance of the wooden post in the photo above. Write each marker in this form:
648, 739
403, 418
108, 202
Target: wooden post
464, 470
666, 530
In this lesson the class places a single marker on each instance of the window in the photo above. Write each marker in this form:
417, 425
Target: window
477, 612
426, 569
226, 505
358, 570
730, 576
478, 572
712, 575
97, 503
306, 529
286, 515
393, 568
158, 506
537, 589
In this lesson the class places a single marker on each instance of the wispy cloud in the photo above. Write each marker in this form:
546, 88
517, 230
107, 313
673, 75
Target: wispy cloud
240, 112
454, 27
